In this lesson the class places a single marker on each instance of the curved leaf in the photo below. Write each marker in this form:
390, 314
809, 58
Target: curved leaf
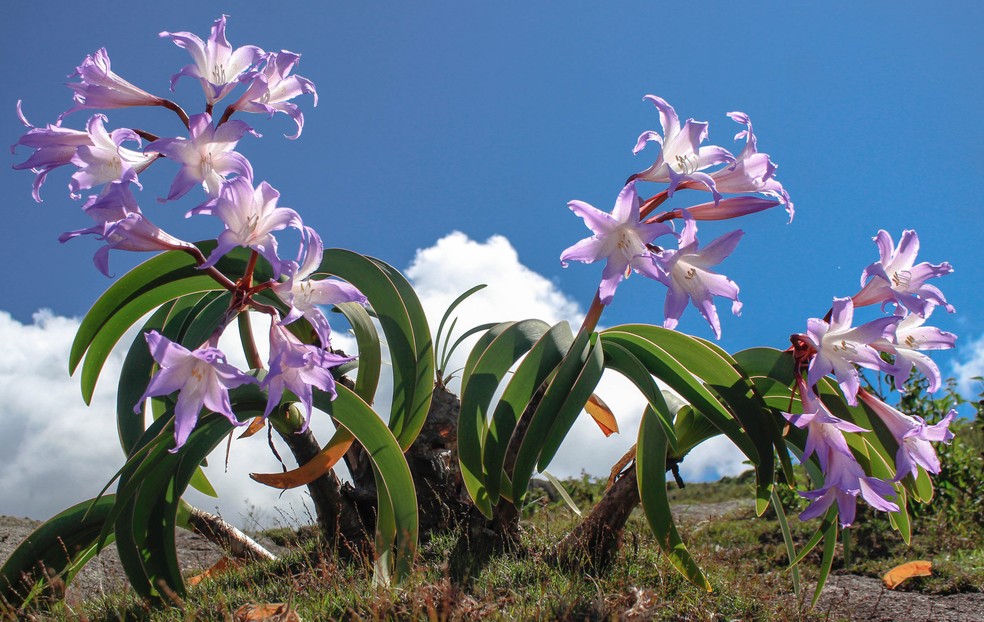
58, 548
488, 363
552, 402
651, 470
536, 367
404, 323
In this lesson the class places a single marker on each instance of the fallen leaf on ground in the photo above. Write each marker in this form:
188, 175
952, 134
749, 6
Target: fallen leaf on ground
918, 568
266, 612
223, 565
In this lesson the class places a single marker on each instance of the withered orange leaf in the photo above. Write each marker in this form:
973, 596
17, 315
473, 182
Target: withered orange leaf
217, 568
314, 468
918, 568
266, 612
602, 415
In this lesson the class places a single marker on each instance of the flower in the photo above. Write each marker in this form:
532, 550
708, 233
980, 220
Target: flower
681, 157
911, 336
894, 278
272, 88
752, 171
844, 478
685, 272
99, 87
122, 226
824, 431
913, 435
618, 237
250, 216
53, 146
216, 65
104, 160
207, 157
298, 367
202, 378
839, 347
304, 295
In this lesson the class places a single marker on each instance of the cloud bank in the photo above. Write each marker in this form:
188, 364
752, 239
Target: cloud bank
57, 452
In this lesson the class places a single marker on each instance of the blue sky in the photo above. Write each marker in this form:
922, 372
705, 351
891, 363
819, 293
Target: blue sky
487, 119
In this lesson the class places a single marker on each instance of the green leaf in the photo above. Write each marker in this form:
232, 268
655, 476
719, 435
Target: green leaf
717, 369
445, 352
393, 479
42, 555
488, 363
557, 392
370, 357
829, 546
408, 337
541, 360
584, 386
665, 367
621, 360
787, 538
651, 471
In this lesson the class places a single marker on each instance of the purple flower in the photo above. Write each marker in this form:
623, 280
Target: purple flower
99, 87
298, 367
122, 226
272, 89
250, 216
913, 435
202, 378
752, 171
910, 337
207, 157
53, 146
681, 157
824, 431
305, 295
894, 278
216, 65
844, 479
618, 237
104, 160
840, 347
685, 272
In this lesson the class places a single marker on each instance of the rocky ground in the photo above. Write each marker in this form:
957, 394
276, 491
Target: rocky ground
846, 597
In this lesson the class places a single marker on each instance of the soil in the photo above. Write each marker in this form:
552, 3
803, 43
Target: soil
845, 597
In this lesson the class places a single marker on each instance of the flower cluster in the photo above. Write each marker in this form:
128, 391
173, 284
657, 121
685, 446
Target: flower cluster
625, 237
110, 163
890, 344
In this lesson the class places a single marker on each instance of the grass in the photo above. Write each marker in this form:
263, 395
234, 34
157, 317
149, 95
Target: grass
743, 556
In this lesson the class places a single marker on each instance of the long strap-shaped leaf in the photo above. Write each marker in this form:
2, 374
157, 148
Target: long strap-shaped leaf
621, 360
58, 548
488, 363
566, 382
163, 278
536, 367
680, 379
720, 372
651, 471
407, 334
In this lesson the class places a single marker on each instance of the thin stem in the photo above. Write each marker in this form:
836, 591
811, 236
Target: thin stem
222, 279
593, 315
178, 110
652, 203
226, 115
249, 344
146, 135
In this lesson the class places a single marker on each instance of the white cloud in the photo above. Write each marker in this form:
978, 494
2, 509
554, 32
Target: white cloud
52, 442
969, 364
